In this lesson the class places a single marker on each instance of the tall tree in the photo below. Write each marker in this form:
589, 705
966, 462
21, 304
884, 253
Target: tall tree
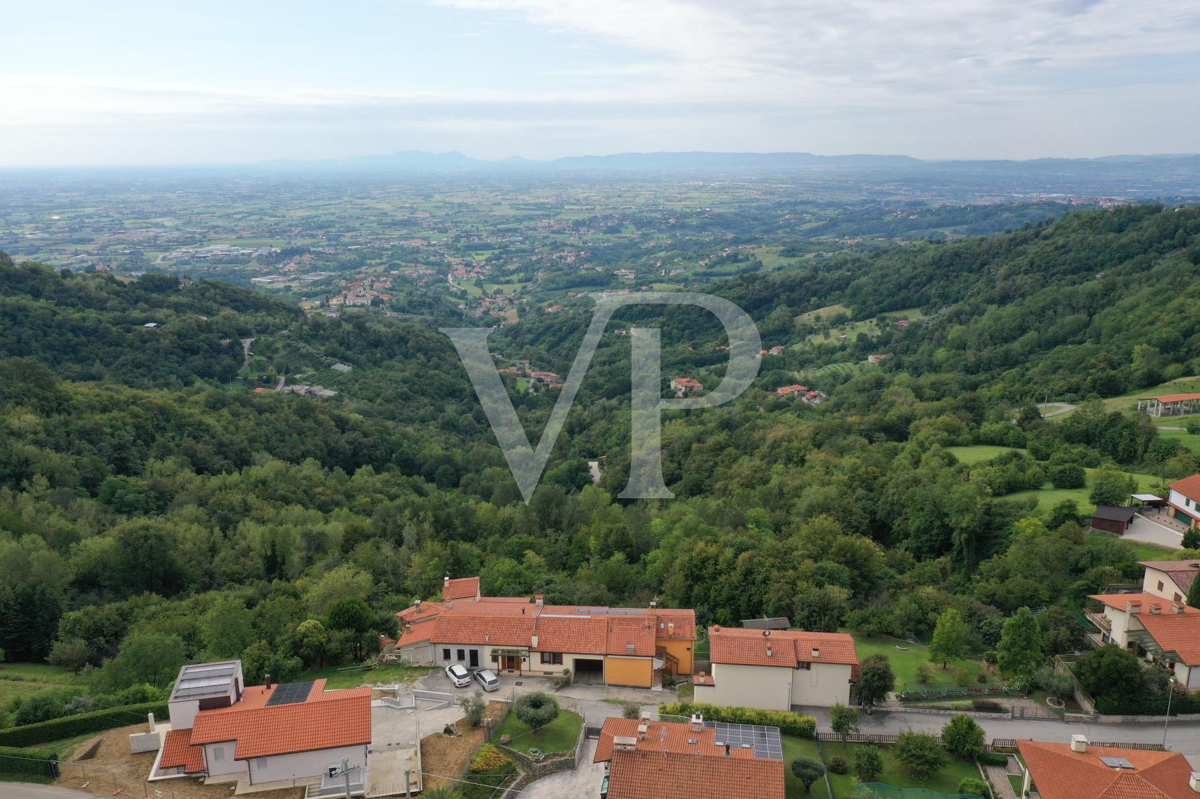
875, 680
1019, 652
949, 638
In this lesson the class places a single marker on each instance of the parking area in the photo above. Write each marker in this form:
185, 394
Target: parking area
1160, 533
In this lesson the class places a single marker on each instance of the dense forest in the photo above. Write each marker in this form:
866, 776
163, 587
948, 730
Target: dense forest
151, 513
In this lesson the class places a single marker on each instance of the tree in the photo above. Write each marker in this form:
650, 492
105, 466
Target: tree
1068, 475
1020, 649
949, 638
808, 770
151, 658
868, 763
256, 662
875, 680
71, 654
474, 707
1193, 597
353, 616
536, 710
843, 720
1191, 539
226, 629
311, 640
919, 753
1111, 672
963, 737
1111, 486
821, 609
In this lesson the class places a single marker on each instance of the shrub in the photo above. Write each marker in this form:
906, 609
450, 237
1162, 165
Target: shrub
868, 763
28, 761
788, 723
488, 758
1191, 539
837, 765
536, 710
987, 706
992, 759
843, 720
474, 707
964, 737
924, 673
808, 770
71, 726
981, 678
631, 710
919, 753
962, 675
1068, 475
973, 786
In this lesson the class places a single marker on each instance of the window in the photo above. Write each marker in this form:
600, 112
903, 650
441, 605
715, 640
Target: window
445, 654
1160, 585
261, 764
495, 658
218, 753
553, 658
804, 666
1178, 598
462, 654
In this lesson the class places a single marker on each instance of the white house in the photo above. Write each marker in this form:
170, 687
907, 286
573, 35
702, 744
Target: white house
1169, 579
262, 736
1168, 632
776, 669
1183, 503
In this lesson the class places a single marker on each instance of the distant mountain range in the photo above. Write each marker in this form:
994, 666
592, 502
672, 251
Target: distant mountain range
418, 161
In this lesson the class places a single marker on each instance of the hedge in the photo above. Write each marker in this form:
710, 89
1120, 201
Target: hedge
28, 761
84, 723
1149, 705
788, 723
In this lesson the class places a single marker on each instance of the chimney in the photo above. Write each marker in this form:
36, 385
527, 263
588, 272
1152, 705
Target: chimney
1177, 607
726, 750
1079, 743
150, 718
770, 651
716, 631
654, 603
540, 600
267, 680
445, 582
643, 728
1194, 781
1155, 608
697, 723
626, 742
417, 606
533, 640
1133, 607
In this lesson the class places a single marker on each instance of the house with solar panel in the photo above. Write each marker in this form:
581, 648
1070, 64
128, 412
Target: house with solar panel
266, 736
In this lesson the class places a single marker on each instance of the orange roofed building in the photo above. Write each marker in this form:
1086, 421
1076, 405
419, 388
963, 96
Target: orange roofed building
1167, 632
291, 732
516, 635
662, 760
1079, 770
776, 669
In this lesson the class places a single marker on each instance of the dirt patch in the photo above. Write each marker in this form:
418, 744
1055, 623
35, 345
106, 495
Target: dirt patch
450, 755
111, 768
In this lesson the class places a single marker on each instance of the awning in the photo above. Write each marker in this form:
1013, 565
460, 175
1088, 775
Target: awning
1147, 497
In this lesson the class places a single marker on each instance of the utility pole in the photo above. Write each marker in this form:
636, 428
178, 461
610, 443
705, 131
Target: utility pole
346, 774
1167, 720
407, 784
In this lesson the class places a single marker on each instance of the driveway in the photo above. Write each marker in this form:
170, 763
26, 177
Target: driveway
1150, 532
581, 783
1049, 409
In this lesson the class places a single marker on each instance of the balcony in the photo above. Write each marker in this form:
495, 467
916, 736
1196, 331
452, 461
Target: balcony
1099, 620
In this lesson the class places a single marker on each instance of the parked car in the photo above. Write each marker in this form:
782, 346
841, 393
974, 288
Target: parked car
458, 675
487, 680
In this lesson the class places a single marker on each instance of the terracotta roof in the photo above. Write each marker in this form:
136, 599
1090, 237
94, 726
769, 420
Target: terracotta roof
586, 635
704, 679
630, 636
178, 751
652, 775
326, 720
427, 610
417, 634
1183, 572
462, 588
515, 600
1188, 486
1175, 632
744, 647
495, 629
1060, 773
684, 621
1119, 601
1175, 397
673, 737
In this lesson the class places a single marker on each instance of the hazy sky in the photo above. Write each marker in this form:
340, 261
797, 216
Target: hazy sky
140, 82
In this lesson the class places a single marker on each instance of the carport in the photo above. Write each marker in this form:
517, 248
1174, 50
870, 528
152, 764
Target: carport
589, 670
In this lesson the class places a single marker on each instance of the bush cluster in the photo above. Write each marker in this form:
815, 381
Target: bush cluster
27, 761
70, 726
788, 723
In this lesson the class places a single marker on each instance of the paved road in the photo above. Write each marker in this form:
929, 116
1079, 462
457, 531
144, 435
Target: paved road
1182, 736
25, 790
1049, 409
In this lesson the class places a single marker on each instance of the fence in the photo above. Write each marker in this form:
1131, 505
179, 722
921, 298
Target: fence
102, 781
878, 790
1082, 697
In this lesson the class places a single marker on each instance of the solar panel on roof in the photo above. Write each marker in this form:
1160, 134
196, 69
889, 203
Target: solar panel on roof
1116, 762
290, 693
765, 741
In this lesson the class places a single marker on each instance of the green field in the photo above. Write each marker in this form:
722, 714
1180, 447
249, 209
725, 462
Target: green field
23, 678
1140, 550
978, 453
1182, 385
351, 678
794, 748
557, 736
945, 781
821, 313
905, 661
1049, 497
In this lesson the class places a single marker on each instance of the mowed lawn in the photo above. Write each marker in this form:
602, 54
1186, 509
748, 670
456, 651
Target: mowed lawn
24, 678
340, 677
979, 453
1140, 550
906, 660
1049, 497
944, 781
557, 736
795, 748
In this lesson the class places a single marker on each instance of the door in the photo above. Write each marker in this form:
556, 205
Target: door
511, 663
474, 658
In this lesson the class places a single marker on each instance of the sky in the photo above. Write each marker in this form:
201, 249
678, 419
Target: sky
132, 82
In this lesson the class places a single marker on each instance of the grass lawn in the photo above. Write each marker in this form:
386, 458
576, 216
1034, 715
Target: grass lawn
1049, 497
340, 677
905, 661
894, 774
1017, 783
978, 453
1140, 550
24, 678
794, 748
557, 736
1185, 439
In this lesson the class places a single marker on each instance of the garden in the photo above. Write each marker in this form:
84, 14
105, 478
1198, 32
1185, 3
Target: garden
537, 725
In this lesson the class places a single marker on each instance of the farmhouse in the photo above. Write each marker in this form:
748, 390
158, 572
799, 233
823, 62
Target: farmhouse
1166, 633
1080, 770
1183, 503
682, 386
615, 646
700, 759
776, 669
289, 734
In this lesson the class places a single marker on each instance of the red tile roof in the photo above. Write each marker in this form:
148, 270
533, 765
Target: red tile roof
653, 775
683, 619
1175, 632
326, 720
426, 611
1060, 773
417, 634
704, 679
1188, 486
1176, 397
178, 751
1183, 572
663, 736
462, 588
737, 646
582, 636
479, 629
631, 636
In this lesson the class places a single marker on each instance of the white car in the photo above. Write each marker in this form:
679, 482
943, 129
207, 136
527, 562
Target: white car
487, 680
458, 675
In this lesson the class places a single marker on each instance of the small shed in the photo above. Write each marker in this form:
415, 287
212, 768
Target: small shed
1111, 519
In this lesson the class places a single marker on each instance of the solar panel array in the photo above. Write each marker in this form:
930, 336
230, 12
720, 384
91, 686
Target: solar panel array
197, 682
611, 611
1116, 762
765, 741
290, 693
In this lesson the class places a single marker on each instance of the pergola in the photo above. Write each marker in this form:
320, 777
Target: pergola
1170, 404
